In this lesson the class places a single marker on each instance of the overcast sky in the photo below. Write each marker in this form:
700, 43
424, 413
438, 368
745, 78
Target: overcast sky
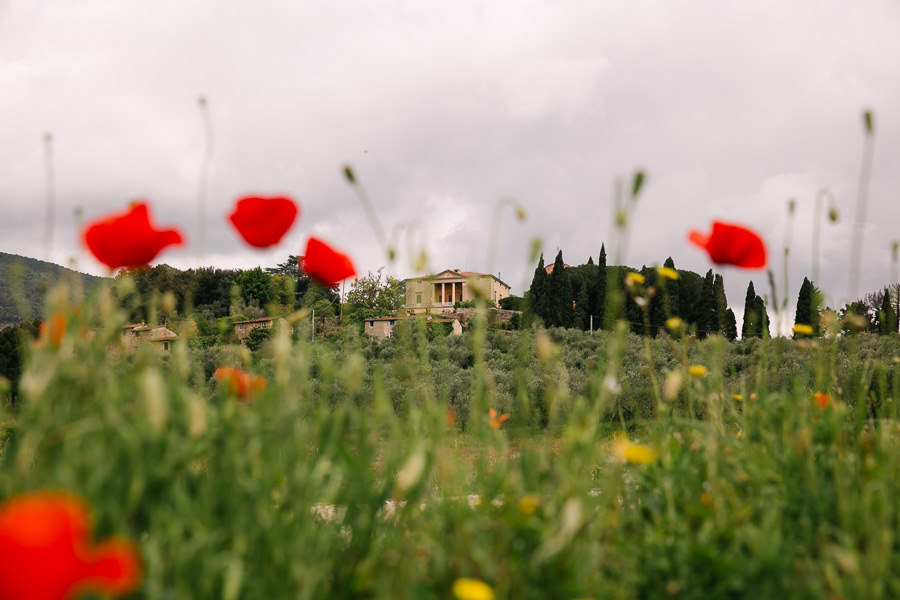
731, 108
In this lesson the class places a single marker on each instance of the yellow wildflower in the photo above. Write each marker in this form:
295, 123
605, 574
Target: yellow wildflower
465, 588
738, 398
674, 323
697, 370
634, 279
803, 329
528, 504
627, 451
667, 273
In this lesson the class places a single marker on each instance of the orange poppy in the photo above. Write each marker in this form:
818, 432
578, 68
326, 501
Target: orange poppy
325, 264
496, 421
821, 400
52, 331
730, 244
128, 239
240, 383
46, 554
262, 222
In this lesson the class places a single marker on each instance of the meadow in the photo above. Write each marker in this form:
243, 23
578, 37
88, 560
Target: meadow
626, 467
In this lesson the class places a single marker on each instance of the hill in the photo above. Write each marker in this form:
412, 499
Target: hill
24, 280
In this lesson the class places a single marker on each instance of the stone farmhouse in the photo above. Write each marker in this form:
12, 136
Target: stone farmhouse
136, 334
438, 293
382, 327
242, 329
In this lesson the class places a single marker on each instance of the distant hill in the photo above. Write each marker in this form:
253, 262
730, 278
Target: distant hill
23, 282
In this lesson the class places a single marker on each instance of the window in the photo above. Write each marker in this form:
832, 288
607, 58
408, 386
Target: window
371, 323
418, 297
241, 327
392, 323
165, 345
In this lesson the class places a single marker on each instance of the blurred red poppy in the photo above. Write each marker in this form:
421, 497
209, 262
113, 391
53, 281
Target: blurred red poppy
45, 553
732, 245
821, 400
52, 331
128, 239
262, 222
326, 265
240, 383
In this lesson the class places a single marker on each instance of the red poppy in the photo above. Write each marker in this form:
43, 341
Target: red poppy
45, 553
128, 239
240, 383
326, 265
821, 400
262, 222
496, 420
732, 245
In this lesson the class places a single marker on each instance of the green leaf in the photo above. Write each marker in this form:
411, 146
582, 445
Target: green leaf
348, 173
637, 183
868, 119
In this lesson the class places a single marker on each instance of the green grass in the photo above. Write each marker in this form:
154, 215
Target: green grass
768, 497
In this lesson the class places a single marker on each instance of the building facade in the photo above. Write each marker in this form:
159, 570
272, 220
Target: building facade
136, 334
439, 293
242, 329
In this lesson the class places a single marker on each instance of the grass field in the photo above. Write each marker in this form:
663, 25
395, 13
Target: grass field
623, 471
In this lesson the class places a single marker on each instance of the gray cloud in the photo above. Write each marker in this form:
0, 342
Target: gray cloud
731, 108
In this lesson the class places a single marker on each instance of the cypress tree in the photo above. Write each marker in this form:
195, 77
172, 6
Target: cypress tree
750, 327
537, 294
559, 295
582, 306
760, 306
600, 289
730, 330
721, 304
887, 318
803, 316
672, 292
707, 321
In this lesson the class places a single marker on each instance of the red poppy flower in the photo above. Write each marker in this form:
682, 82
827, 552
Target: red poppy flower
326, 265
240, 383
128, 239
45, 553
732, 245
821, 400
262, 222
496, 420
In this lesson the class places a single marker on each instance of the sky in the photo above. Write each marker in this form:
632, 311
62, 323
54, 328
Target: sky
447, 111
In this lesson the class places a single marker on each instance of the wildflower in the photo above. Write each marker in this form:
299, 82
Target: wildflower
528, 504
634, 279
496, 421
803, 329
732, 245
128, 239
667, 273
706, 499
52, 331
674, 323
45, 553
262, 222
697, 370
240, 383
737, 398
627, 451
821, 400
326, 265
451, 417
465, 588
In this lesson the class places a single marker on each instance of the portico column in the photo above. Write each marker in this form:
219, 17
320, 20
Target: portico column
443, 293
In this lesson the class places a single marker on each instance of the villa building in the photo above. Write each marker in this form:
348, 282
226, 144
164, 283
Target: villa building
438, 293
140, 333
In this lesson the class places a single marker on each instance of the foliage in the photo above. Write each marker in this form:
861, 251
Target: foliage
256, 287
512, 303
377, 292
257, 337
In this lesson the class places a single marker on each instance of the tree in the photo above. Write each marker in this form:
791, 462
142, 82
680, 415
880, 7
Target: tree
730, 330
559, 295
760, 308
887, 317
512, 303
537, 293
582, 307
721, 303
257, 337
377, 292
751, 326
256, 286
291, 268
600, 289
807, 306
708, 321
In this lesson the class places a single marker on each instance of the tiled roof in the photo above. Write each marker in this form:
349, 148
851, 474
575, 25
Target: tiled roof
259, 320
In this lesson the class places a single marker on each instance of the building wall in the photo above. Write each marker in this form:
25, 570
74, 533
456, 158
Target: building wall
425, 295
380, 328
